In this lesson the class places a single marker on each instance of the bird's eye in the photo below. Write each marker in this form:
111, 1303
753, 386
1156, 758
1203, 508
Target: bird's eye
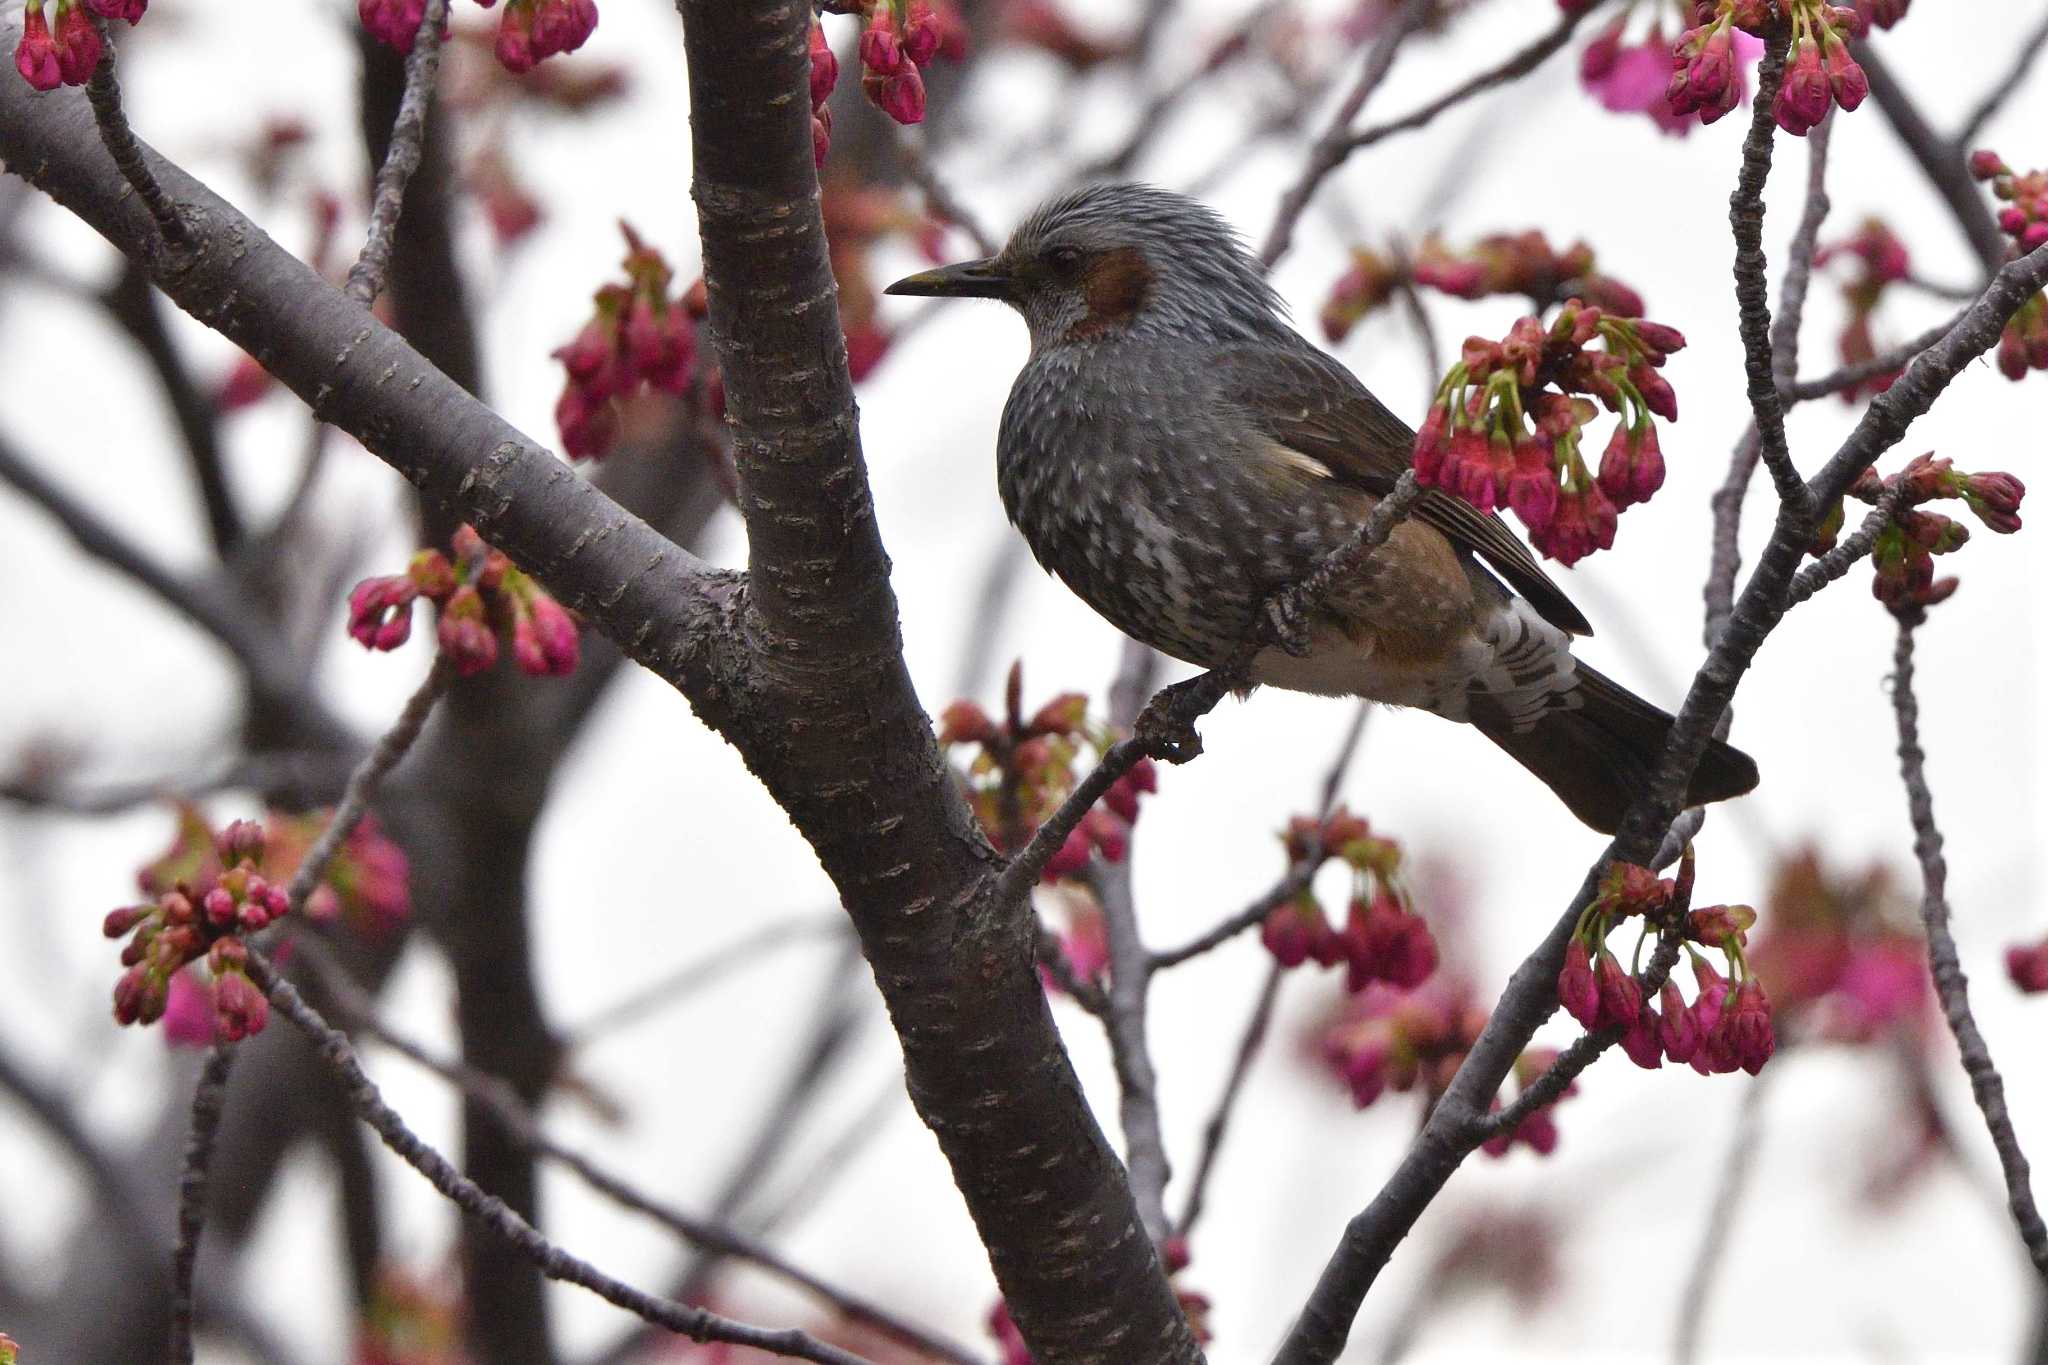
1064, 259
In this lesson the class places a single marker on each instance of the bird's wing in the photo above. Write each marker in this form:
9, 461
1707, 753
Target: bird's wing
1310, 403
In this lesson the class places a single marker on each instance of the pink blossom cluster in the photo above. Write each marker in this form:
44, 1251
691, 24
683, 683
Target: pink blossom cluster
640, 339
1903, 553
1367, 283
1843, 953
1639, 75
2027, 965
1505, 429
199, 918
898, 40
1383, 939
1524, 263
529, 31
68, 51
366, 884
1726, 1026
2024, 217
1023, 769
1881, 260
485, 600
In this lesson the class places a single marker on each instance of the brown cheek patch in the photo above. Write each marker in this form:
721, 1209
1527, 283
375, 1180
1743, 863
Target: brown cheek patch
1115, 287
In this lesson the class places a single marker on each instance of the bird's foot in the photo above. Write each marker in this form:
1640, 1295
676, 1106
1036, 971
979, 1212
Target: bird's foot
1287, 623
1166, 727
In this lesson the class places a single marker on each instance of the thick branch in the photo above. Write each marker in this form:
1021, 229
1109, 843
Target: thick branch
1940, 159
1746, 217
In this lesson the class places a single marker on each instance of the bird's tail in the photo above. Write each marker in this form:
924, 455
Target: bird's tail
1599, 756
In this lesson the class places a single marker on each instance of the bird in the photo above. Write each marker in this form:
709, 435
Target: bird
1177, 454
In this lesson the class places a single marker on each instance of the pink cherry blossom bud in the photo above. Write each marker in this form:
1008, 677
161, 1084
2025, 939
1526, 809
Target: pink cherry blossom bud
1677, 1028
514, 44
1643, 1042
1845, 78
1749, 1027
1289, 931
880, 52
395, 23
590, 358
246, 384
220, 906
78, 43
188, 1012
129, 10
589, 425
824, 67
1720, 925
1577, 990
464, 634
562, 25
432, 574
241, 839
1803, 98
131, 994
227, 954
35, 56
1632, 467
1598, 58
1365, 1071
866, 344
921, 34
380, 612
1532, 488
2026, 965
1987, 165
555, 630
1071, 859
1621, 1000
899, 95
119, 922
1657, 392
239, 1006
1585, 522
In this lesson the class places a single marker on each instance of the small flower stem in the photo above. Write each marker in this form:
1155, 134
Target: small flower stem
1847, 550
402, 158
1848, 376
103, 92
1798, 277
208, 1097
1944, 964
492, 1213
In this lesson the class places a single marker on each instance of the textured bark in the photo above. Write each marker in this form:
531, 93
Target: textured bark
833, 727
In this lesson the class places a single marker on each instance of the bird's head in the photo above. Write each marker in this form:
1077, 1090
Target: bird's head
1119, 260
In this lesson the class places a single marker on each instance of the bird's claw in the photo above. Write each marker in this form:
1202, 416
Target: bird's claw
1288, 624
1164, 730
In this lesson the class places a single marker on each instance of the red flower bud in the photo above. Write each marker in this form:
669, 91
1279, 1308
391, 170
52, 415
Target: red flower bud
1577, 990
380, 612
1677, 1028
1748, 1023
880, 53
78, 43
1621, 1000
824, 67
464, 634
1643, 1042
35, 56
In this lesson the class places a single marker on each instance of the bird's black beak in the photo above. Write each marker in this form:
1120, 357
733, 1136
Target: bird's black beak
967, 280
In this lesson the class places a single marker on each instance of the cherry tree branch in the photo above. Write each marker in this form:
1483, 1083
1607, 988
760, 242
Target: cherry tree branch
208, 1096
1950, 984
557, 1264
1939, 158
1218, 1126
1331, 148
1752, 293
1737, 1166
103, 92
1792, 289
2026, 53
408, 139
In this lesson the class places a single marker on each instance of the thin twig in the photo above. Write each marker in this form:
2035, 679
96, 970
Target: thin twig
940, 201
1520, 64
1726, 558
104, 94
1799, 263
208, 1097
1165, 729
492, 1213
1214, 1131
2023, 62
677, 985
1152, 117
354, 1006
1332, 147
1895, 358
401, 158
1130, 981
1850, 548
363, 782
1942, 961
1736, 1168
1752, 293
